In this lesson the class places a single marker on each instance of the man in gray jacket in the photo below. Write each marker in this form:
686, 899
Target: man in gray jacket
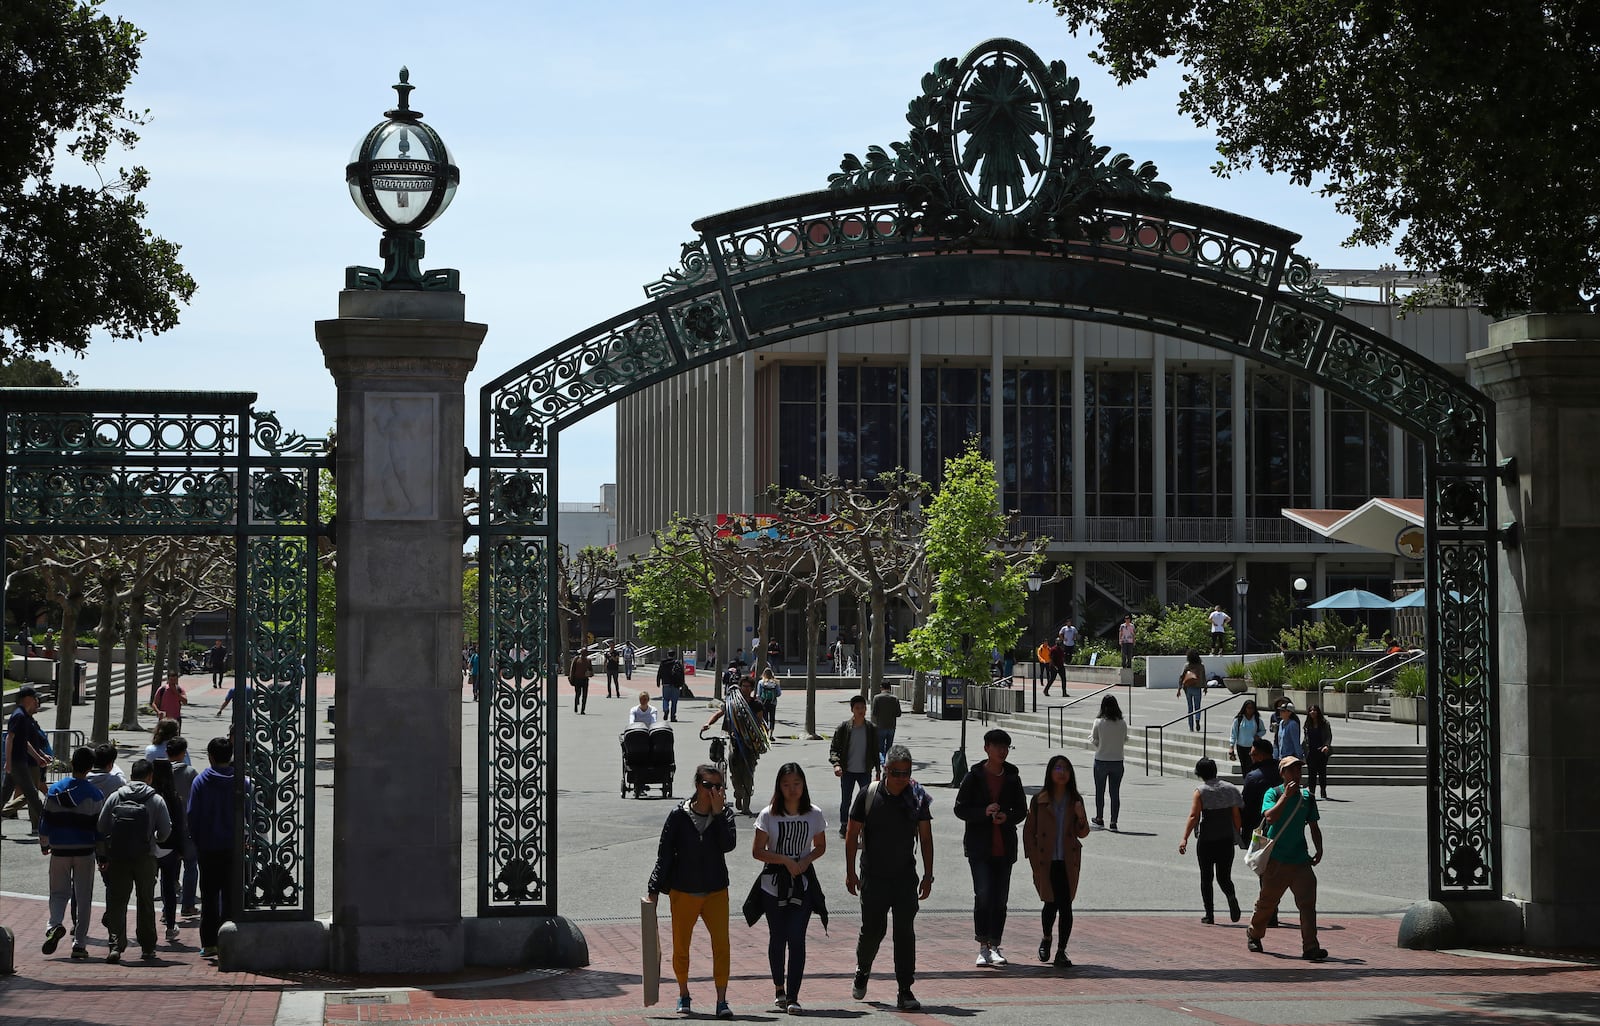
133, 821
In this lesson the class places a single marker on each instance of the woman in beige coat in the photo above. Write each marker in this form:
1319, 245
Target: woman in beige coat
1052, 839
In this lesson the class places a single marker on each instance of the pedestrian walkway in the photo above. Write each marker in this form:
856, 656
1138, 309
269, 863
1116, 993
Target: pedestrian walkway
1163, 970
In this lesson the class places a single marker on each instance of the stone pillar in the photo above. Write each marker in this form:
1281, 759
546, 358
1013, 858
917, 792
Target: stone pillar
400, 360
1543, 373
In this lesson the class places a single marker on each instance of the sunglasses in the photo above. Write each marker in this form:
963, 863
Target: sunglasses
899, 773
709, 786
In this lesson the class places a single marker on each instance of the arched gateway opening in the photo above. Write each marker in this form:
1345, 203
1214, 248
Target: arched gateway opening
998, 202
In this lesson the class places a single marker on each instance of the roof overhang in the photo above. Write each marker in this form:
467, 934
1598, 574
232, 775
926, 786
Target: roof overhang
1391, 526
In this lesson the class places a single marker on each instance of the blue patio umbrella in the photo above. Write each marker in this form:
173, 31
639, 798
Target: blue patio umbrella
1419, 598
1354, 598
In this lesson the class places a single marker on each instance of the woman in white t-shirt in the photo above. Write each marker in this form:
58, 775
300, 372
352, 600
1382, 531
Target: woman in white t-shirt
791, 834
642, 714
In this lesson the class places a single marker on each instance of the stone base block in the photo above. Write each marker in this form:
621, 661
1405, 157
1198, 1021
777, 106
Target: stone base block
8, 948
541, 942
273, 947
1488, 922
397, 948
1429, 926
1561, 926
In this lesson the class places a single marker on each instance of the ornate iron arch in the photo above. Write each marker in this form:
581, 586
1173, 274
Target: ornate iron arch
999, 202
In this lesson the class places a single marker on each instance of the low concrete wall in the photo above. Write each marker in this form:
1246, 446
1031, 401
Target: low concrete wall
1164, 671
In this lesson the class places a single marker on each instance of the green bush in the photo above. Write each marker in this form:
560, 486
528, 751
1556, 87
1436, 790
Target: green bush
1308, 675
1359, 676
1329, 632
1110, 655
1175, 630
1237, 669
1411, 681
1272, 672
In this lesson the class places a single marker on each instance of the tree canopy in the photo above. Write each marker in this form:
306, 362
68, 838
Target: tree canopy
74, 258
1471, 130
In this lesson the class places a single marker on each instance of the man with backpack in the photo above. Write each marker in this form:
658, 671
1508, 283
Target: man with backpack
133, 821
68, 835
669, 678
211, 828
170, 698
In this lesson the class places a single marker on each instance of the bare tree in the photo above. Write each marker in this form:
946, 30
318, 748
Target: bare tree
695, 543
66, 567
584, 578
123, 573
815, 578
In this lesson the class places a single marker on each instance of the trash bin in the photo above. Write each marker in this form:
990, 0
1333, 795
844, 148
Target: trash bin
932, 697
79, 670
953, 697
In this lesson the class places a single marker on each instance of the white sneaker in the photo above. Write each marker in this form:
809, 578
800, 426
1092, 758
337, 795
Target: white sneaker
996, 957
985, 957
172, 935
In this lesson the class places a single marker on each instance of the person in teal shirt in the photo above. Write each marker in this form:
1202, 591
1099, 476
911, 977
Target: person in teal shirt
1286, 811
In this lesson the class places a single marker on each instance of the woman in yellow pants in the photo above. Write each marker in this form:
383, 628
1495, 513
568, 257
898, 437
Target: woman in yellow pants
691, 867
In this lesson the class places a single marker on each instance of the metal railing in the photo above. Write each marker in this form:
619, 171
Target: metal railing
1161, 736
983, 701
1388, 663
1054, 712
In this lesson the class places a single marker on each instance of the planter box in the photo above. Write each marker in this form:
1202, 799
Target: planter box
1265, 697
1340, 703
1409, 710
1302, 699
1237, 685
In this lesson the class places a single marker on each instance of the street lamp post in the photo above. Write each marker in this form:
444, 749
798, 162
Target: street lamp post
1242, 587
1300, 587
1035, 582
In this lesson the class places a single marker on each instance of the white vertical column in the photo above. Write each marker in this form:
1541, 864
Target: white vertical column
1158, 453
914, 402
1239, 454
830, 420
1319, 450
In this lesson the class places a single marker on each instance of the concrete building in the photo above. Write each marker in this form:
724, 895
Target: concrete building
582, 524
1157, 467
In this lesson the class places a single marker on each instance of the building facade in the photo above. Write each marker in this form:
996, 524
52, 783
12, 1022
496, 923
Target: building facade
1156, 467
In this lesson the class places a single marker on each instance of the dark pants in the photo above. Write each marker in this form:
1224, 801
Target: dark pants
135, 878
217, 677
991, 889
614, 683
25, 779
580, 695
1061, 906
1127, 655
1218, 642
216, 894
786, 942
1243, 752
170, 868
1216, 859
1316, 770
885, 742
879, 897
1105, 772
848, 782
1051, 672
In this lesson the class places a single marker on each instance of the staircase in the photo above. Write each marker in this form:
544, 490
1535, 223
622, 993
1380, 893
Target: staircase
1351, 766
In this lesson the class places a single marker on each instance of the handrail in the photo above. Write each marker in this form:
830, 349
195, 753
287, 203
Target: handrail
1051, 711
1161, 736
1371, 669
1005, 683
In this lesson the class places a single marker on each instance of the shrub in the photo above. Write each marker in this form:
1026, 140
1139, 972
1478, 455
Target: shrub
1237, 669
1110, 655
1329, 632
1175, 630
1411, 681
1308, 675
1272, 672
1359, 677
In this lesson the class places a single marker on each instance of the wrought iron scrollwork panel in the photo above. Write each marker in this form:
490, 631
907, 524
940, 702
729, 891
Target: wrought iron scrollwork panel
277, 615
119, 435
519, 495
516, 789
73, 495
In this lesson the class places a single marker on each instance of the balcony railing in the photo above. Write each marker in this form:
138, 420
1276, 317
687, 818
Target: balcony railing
1180, 530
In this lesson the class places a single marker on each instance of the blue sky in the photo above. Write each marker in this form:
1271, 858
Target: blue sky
589, 138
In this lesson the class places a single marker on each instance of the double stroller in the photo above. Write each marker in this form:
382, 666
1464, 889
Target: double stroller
648, 759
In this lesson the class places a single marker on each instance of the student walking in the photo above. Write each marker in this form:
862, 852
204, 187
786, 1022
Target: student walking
692, 868
669, 681
853, 755
1214, 820
992, 803
1219, 629
1108, 737
1318, 744
1192, 687
67, 833
169, 855
210, 819
893, 819
1288, 739
1288, 810
791, 835
1248, 728
579, 673
1052, 839
133, 823
613, 672
886, 714
25, 757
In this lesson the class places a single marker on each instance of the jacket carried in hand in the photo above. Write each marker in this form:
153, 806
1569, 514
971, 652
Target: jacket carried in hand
839, 747
972, 803
691, 859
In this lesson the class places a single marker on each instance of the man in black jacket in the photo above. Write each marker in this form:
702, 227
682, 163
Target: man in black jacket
992, 803
853, 753
1263, 777
669, 679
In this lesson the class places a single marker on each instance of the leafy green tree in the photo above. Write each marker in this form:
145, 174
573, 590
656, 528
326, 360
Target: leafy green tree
1176, 630
583, 577
74, 258
667, 591
980, 591
29, 372
1469, 129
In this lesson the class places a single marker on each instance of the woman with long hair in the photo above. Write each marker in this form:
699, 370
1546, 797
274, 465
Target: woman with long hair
1108, 737
791, 835
166, 730
1247, 726
1192, 687
1052, 840
1214, 820
692, 868
1318, 743
1288, 739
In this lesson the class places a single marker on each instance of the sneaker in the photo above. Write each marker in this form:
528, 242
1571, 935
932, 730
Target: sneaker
858, 986
794, 1008
1062, 961
79, 954
1044, 950
1233, 909
148, 954
1097, 821
781, 1003
683, 1005
907, 1002
114, 955
996, 956
1314, 954
723, 1011
52, 937
172, 934
1208, 919
210, 952
1253, 943
985, 956
1113, 826
191, 910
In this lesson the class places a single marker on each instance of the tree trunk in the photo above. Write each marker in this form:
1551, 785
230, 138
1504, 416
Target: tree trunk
764, 620
106, 636
813, 617
66, 664
130, 663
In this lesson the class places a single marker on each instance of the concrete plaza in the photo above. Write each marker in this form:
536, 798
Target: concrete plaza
1141, 954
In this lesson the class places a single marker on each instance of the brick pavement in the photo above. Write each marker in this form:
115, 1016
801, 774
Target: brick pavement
1144, 968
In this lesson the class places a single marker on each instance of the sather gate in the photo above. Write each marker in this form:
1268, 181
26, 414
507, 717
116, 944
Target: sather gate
998, 202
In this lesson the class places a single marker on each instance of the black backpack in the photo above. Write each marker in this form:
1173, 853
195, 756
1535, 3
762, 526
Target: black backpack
130, 829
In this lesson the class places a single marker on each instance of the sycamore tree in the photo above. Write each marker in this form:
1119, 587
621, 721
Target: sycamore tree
583, 578
75, 255
1471, 130
667, 591
980, 574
